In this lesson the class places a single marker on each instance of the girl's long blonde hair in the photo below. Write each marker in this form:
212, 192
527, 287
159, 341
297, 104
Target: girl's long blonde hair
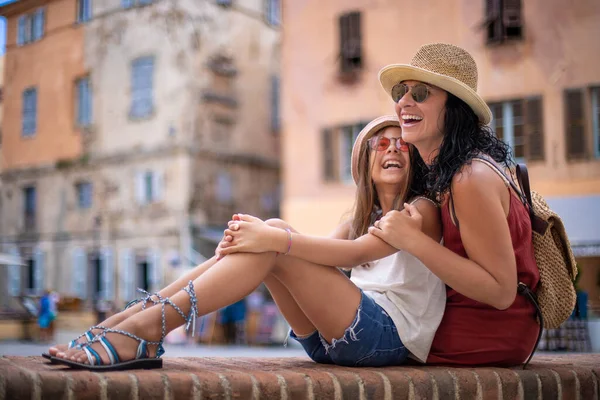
366, 207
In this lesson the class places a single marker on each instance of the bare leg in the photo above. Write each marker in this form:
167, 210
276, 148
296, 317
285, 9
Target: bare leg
168, 291
324, 296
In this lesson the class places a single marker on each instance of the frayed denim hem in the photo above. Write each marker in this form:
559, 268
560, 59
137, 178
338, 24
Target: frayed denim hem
349, 333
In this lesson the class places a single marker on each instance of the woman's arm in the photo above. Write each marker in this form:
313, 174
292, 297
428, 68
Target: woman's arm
326, 251
489, 274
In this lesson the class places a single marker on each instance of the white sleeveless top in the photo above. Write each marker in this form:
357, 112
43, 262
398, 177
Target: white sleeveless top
410, 293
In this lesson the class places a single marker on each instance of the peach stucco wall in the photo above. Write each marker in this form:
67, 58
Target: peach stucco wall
560, 50
52, 65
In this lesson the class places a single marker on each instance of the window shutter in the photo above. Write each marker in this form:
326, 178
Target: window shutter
14, 273
534, 129
511, 14
107, 266
494, 22
275, 112
21, 30
350, 42
38, 24
127, 272
79, 273
140, 187
328, 157
39, 268
157, 185
155, 267
575, 140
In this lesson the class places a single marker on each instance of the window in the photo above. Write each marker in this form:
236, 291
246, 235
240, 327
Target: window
148, 187
29, 207
519, 124
30, 27
595, 95
131, 3
84, 195
350, 42
275, 111
84, 10
503, 20
337, 152
224, 2
224, 188
142, 73
29, 112
272, 11
84, 102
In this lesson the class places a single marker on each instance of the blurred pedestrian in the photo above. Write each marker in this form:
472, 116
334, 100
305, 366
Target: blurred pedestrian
45, 317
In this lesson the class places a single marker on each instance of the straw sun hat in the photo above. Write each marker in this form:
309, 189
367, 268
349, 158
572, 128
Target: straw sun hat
365, 134
445, 66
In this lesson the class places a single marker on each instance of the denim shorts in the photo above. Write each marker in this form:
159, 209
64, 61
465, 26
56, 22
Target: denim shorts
372, 340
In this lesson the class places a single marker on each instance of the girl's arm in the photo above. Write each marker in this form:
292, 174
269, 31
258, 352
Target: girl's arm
254, 235
489, 274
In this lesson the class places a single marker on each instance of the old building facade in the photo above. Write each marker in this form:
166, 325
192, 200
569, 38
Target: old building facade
538, 69
172, 126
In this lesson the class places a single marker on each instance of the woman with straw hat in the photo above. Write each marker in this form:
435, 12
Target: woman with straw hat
487, 232
389, 309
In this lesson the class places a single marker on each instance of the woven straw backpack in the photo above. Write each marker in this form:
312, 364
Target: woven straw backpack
556, 292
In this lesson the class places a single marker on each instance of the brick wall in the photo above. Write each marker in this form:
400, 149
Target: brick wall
549, 377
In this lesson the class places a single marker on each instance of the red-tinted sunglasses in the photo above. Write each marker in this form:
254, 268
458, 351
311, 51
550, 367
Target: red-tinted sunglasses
382, 143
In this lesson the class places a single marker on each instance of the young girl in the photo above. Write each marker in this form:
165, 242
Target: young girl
390, 309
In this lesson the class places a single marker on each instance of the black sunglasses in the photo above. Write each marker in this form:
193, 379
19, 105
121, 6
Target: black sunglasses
419, 92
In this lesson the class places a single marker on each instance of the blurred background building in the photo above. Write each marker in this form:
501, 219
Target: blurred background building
539, 70
132, 130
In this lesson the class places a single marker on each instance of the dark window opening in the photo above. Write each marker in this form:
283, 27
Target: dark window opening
350, 42
504, 20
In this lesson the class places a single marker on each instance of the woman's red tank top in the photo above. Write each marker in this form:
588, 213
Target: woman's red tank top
473, 333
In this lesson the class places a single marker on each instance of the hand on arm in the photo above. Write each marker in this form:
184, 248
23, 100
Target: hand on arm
489, 273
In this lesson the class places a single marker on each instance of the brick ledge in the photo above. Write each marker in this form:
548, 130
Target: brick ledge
557, 376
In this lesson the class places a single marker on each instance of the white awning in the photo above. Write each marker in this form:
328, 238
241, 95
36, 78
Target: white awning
581, 215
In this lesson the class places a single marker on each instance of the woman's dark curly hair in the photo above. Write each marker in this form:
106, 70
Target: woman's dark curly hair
464, 138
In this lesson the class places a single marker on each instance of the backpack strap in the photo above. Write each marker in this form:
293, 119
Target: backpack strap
509, 182
537, 223
524, 290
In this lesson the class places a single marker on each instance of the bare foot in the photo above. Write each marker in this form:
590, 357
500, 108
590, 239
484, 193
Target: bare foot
108, 323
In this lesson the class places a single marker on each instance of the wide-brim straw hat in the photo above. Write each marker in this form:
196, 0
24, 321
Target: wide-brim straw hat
365, 134
443, 65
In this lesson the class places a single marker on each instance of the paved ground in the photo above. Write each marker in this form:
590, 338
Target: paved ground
21, 348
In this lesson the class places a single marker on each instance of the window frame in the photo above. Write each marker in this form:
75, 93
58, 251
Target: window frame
142, 88
337, 143
529, 127
84, 121
84, 11
80, 190
29, 112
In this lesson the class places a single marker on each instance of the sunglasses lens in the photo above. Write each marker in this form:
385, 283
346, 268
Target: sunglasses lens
383, 143
420, 93
398, 91
402, 145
